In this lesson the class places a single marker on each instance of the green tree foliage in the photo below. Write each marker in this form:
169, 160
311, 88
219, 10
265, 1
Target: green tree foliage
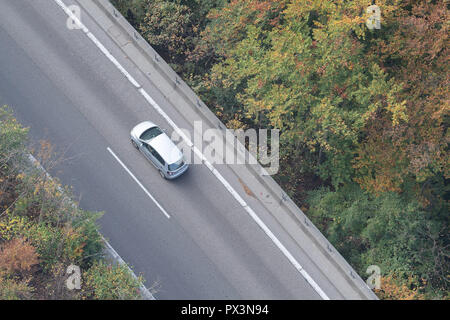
173, 28
132, 10
389, 231
167, 26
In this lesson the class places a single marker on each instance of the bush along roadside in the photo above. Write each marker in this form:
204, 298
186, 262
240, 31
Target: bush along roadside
49, 247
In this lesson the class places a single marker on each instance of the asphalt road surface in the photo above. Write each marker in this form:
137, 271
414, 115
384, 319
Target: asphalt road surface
61, 87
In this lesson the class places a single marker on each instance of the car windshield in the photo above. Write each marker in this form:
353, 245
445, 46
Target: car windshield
150, 133
176, 166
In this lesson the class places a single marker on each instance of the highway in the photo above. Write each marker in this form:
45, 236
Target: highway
202, 245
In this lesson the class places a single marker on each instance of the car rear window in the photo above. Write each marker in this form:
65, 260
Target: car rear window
176, 166
150, 133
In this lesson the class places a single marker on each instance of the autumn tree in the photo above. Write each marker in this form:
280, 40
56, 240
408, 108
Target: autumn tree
303, 68
414, 51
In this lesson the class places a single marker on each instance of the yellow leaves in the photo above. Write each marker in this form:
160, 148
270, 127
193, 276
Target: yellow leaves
379, 166
11, 226
20, 176
398, 111
255, 106
339, 16
382, 182
346, 23
37, 188
47, 186
74, 243
236, 124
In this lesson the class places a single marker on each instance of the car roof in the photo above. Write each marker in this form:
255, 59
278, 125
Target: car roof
166, 148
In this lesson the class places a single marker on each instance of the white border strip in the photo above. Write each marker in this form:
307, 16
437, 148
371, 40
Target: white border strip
138, 182
227, 185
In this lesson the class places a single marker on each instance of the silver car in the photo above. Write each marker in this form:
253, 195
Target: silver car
157, 147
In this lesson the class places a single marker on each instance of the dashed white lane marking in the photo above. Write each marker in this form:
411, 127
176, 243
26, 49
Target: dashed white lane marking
216, 173
138, 182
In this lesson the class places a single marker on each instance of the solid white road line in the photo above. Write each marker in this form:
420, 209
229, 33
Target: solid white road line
138, 182
216, 173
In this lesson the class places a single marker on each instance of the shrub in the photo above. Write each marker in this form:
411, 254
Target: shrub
110, 282
17, 255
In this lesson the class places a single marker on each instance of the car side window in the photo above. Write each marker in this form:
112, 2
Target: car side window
158, 157
155, 154
149, 149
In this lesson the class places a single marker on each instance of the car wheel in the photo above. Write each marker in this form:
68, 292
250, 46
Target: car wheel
162, 174
134, 144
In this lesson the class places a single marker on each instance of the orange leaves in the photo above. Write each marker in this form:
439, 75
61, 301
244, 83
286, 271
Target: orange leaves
17, 255
260, 83
266, 8
416, 54
379, 167
391, 289
340, 90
